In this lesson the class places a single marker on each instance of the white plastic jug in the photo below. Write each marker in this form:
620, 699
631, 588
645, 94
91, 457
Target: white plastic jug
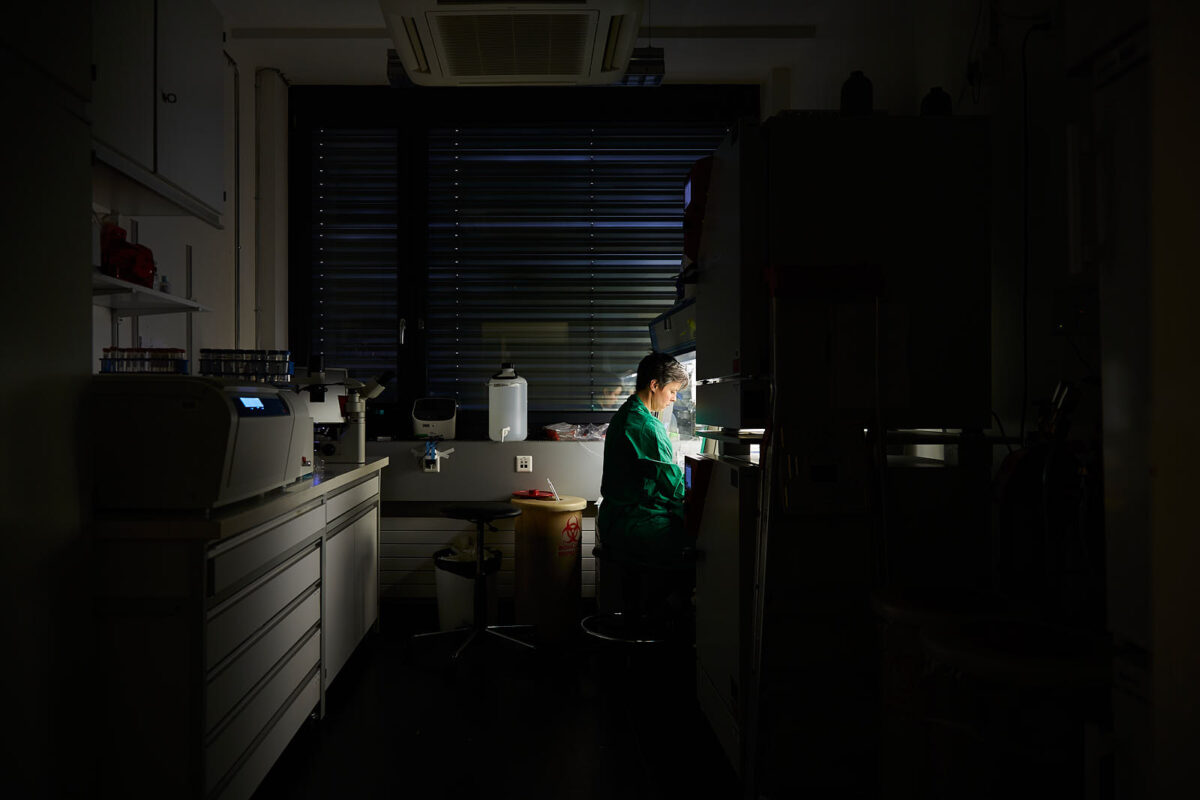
508, 406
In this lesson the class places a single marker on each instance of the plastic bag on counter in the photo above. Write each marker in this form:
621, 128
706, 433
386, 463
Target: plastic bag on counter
566, 432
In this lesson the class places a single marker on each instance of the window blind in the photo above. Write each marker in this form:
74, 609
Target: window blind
552, 248
354, 272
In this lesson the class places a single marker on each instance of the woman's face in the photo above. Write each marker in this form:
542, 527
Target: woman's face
662, 396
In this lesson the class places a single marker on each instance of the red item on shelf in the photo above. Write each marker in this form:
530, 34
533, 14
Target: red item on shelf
125, 260
533, 494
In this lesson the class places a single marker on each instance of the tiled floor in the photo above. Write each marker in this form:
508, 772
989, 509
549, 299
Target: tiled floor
582, 720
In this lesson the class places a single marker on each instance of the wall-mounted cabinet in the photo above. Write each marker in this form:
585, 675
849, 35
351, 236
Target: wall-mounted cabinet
158, 100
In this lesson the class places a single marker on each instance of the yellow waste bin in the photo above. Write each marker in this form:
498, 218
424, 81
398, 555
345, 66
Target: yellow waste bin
549, 537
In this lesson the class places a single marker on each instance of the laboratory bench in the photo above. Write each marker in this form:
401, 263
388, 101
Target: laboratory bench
220, 631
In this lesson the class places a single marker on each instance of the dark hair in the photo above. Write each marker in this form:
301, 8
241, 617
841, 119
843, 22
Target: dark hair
662, 368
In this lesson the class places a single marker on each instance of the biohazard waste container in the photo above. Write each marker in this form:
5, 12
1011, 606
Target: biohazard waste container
549, 538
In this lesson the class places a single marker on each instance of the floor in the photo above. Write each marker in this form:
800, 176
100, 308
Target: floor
581, 719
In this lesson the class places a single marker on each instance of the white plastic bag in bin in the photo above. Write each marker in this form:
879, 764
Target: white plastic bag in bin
454, 572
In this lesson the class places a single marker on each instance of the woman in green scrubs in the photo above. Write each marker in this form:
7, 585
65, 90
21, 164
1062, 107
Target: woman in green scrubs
641, 516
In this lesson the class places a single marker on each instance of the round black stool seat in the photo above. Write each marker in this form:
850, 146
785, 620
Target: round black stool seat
480, 512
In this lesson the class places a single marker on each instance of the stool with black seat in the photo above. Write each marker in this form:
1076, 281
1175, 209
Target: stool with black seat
482, 514
638, 614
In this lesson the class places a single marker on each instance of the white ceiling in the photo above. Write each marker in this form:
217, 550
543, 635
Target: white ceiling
344, 42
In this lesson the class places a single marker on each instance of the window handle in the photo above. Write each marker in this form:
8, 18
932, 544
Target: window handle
400, 331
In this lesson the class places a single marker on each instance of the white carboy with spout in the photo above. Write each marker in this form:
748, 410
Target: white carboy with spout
508, 405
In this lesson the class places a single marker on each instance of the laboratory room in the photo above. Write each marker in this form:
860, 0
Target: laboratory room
601, 399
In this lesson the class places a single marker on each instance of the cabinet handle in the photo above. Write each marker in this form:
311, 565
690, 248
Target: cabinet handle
169, 97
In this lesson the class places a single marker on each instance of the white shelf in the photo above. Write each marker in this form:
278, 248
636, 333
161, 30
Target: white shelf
127, 299
138, 192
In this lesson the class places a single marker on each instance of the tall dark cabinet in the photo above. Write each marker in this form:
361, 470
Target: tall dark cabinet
843, 292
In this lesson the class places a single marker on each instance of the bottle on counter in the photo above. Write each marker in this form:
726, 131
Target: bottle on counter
508, 404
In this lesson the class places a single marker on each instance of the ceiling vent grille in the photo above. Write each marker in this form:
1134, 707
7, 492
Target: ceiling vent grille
478, 45
482, 43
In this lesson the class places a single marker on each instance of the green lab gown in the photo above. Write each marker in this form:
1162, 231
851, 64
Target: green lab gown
641, 516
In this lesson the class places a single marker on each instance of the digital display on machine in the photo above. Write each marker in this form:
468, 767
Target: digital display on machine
264, 405
687, 477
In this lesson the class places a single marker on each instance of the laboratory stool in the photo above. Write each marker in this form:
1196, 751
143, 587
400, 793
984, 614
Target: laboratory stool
632, 601
482, 514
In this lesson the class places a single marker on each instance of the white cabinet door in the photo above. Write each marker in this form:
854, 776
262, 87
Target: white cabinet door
341, 606
123, 87
366, 553
191, 99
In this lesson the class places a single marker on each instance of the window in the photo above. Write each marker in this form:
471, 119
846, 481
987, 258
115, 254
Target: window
354, 274
554, 244
552, 248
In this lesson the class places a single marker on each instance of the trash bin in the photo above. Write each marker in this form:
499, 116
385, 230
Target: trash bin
455, 577
549, 536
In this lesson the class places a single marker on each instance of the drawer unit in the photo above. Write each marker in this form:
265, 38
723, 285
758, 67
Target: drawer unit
232, 740
249, 666
214, 631
251, 551
345, 501
258, 763
239, 617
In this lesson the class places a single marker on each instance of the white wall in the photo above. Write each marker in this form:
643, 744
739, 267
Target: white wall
271, 208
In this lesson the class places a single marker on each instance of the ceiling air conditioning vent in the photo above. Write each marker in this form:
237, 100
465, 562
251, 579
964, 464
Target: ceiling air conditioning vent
461, 43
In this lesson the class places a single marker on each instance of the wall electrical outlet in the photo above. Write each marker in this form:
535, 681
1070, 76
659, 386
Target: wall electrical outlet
524, 464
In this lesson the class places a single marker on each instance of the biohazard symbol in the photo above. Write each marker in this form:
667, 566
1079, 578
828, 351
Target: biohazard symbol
569, 544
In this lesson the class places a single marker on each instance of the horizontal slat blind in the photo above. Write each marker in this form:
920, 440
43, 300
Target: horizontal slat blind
354, 249
552, 248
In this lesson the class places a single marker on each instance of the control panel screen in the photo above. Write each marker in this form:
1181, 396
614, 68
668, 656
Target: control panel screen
259, 405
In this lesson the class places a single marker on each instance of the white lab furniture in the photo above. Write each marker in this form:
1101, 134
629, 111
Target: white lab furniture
219, 631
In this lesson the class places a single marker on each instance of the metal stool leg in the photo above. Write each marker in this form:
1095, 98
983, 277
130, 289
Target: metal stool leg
480, 625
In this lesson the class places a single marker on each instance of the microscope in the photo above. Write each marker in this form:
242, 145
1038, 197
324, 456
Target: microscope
338, 404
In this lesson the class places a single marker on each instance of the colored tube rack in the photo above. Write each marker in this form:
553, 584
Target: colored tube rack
160, 360
255, 366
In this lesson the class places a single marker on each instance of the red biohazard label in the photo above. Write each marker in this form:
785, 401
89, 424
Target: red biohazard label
568, 545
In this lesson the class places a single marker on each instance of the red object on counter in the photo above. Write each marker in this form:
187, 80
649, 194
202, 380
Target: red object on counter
125, 260
533, 494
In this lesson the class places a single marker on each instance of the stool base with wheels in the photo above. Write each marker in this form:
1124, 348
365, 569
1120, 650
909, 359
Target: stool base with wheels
634, 618
482, 514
